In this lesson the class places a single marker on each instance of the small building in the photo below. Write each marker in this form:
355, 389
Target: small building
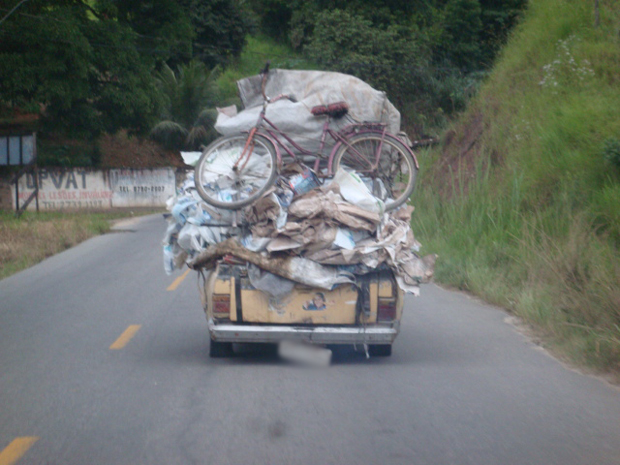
18, 150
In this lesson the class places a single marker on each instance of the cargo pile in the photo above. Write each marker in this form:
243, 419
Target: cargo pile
302, 229
317, 235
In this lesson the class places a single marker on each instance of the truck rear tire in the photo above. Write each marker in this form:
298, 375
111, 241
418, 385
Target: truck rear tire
380, 350
220, 349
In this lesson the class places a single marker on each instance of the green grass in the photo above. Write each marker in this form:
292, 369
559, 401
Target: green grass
257, 51
27, 240
530, 217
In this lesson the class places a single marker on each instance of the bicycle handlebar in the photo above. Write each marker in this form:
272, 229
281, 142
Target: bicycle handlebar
281, 96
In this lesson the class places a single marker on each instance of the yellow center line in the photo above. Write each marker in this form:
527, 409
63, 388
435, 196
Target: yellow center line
178, 281
124, 338
16, 449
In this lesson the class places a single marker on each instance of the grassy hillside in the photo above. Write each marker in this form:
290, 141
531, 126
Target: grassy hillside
522, 201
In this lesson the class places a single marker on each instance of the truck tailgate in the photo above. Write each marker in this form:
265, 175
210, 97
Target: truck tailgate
304, 305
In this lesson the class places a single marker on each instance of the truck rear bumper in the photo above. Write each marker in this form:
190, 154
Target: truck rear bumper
315, 335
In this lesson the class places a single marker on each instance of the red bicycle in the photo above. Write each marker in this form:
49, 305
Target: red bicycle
234, 171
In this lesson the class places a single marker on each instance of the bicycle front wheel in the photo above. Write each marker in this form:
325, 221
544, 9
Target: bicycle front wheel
392, 179
227, 178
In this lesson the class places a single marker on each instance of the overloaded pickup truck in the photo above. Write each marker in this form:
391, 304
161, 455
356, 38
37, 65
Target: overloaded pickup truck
366, 314
323, 256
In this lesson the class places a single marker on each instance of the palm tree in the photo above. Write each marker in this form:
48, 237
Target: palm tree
189, 116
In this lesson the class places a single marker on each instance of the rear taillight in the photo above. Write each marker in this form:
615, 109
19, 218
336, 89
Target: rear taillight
386, 309
221, 304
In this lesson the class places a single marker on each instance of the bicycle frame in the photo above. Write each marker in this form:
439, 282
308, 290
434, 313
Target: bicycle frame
271, 132
385, 163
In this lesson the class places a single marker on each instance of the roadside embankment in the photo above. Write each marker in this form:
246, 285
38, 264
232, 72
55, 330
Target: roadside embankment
33, 237
522, 200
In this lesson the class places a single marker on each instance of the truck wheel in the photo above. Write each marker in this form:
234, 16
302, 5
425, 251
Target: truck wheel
220, 349
380, 350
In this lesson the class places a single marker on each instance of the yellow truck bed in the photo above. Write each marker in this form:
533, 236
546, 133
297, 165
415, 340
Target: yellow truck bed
367, 312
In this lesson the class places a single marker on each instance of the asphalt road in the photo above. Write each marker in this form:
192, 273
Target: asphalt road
463, 386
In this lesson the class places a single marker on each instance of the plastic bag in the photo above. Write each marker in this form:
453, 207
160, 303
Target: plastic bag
191, 158
354, 191
168, 259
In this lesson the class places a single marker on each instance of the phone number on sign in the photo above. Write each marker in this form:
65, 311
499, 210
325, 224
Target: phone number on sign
146, 189
59, 205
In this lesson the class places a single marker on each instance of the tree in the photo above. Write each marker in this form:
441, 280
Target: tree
163, 28
274, 16
380, 13
498, 19
429, 56
220, 28
188, 116
460, 40
78, 67
389, 59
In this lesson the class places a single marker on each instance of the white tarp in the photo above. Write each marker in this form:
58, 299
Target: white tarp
310, 88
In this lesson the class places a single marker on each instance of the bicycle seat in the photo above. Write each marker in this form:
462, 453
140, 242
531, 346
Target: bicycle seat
335, 110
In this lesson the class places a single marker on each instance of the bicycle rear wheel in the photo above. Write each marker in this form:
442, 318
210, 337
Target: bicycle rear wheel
393, 179
225, 179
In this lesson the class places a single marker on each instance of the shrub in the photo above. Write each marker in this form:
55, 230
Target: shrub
187, 122
611, 151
